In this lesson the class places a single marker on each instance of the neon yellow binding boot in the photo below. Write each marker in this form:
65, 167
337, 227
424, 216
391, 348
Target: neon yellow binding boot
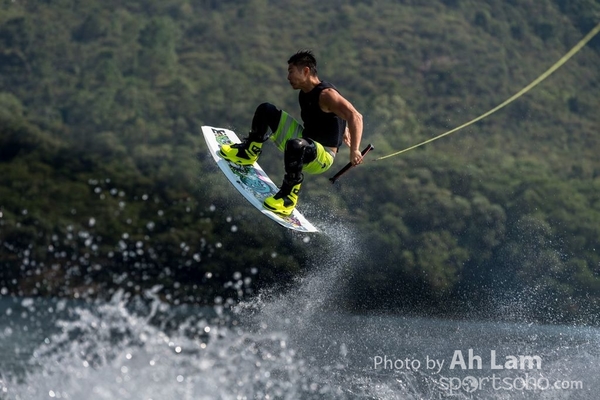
286, 199
244, 153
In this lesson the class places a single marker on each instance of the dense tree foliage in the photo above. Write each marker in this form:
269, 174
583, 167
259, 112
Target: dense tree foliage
105, 181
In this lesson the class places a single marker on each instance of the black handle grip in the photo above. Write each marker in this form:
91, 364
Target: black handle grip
342, 171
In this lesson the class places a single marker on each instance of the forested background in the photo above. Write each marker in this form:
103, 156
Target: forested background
105, 181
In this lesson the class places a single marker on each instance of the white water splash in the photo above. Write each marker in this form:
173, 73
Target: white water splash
292, 343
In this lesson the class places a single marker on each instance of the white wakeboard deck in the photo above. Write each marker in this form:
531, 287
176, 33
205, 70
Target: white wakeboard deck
251, 181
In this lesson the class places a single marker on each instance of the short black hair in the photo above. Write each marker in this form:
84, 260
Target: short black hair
304, 58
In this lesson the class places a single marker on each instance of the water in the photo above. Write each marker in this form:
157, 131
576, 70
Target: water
116, 350
282, 344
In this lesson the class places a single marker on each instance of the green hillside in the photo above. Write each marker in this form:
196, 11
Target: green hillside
105, 181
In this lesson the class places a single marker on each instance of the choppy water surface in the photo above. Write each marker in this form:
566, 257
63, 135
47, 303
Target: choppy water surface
287, 344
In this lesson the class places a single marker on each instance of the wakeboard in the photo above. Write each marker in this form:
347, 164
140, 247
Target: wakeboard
251, 181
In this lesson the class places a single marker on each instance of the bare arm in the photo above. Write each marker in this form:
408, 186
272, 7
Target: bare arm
331, 101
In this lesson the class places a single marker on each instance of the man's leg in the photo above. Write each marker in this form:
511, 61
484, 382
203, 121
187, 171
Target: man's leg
287, 128
322, 162
298, 153
266, 119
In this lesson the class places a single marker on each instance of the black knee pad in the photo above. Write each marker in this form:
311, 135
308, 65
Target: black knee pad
296, 145
297, 153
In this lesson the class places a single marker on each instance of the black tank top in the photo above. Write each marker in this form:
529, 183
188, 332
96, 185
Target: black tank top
325, 128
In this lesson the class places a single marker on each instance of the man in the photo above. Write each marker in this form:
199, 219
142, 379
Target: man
310, 148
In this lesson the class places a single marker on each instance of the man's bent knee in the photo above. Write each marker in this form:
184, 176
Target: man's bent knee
298, 152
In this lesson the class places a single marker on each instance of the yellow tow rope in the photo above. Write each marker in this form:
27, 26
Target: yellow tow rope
526, 89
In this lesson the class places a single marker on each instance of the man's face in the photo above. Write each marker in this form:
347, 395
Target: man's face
296, 76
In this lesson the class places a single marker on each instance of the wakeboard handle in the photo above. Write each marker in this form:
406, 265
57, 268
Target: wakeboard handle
342, 171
